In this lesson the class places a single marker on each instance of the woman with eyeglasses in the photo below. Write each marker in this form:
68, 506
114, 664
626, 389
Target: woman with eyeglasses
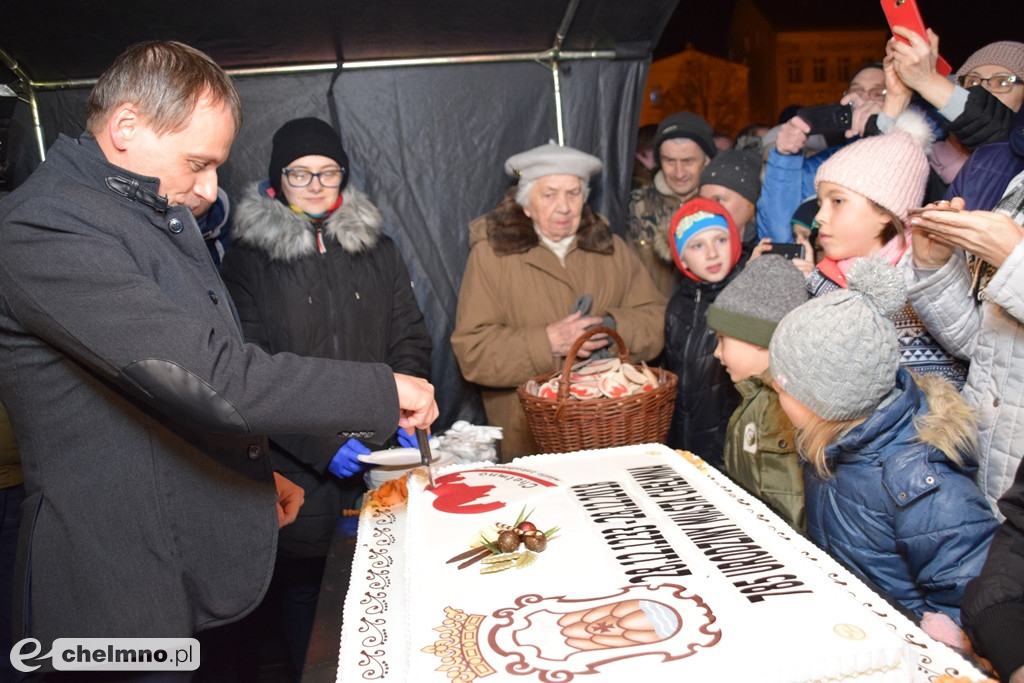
987, 92
311, 271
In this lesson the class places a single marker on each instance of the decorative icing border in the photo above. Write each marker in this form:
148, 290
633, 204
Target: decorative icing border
386, 587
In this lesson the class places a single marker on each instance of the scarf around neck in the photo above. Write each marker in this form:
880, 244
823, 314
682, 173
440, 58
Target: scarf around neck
891, 252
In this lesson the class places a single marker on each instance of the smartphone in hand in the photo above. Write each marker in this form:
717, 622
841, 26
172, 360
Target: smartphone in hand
827, 118
921, 209
790, 251
905, 13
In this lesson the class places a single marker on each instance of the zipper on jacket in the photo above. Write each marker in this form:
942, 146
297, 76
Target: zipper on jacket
329, 305
320, 246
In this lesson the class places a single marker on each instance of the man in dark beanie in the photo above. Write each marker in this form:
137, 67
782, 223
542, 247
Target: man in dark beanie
683, 145
733, 179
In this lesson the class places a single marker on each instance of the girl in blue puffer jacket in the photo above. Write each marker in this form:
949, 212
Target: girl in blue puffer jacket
889, 488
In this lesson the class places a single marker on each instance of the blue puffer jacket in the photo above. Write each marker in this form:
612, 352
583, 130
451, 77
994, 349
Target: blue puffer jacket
897, 509
788, 180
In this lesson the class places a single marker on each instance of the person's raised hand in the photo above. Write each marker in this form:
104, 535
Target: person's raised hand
792, 136
989, 235
915, 64
897, 94
763, 245
929, 251
562, 333
863, 109
806, 264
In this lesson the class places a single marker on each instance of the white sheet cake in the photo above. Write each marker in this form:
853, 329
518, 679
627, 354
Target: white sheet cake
659, 569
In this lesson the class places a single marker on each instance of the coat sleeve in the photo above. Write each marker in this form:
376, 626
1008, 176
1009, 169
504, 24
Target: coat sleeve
943, 301
640, 315
944, 537
410, 344
241, 274
984, 119
171, 349
1006, 289
491, 352
788, 180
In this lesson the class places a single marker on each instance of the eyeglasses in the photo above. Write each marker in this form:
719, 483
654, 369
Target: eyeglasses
999, 83
300, 177
876, 94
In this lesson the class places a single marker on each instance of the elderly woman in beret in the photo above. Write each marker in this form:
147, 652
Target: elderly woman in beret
532, 258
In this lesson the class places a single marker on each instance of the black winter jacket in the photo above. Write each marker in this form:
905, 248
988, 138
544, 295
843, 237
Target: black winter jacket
139, 411
705, 396
353, 302
993, 604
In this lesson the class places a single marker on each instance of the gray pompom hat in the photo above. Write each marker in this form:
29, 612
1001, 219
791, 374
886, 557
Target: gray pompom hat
751, 306
838, 354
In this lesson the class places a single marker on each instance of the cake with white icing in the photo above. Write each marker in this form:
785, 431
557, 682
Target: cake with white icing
659, 569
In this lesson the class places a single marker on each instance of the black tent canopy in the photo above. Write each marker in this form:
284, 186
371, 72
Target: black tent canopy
430, 98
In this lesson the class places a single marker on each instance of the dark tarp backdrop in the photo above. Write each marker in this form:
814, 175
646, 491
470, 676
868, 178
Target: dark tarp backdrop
427, 144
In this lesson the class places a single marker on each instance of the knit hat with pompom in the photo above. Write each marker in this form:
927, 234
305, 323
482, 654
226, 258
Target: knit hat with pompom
1005, 53
890, 170
838, 354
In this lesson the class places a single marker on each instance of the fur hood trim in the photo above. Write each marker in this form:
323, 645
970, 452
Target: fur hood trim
263, 223
659, 240
510, 231
949, 425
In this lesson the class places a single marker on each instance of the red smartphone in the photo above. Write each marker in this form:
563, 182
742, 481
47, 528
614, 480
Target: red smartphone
906, 14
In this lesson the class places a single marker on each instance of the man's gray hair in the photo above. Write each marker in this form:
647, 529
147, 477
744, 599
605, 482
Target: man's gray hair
523, 191
165, 80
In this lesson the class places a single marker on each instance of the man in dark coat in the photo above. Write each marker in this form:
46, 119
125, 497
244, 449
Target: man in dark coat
139, 410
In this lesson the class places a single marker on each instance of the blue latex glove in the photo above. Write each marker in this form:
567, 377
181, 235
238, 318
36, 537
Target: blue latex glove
345, 462
405, 439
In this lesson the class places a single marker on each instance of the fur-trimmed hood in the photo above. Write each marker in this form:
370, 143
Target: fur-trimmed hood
949, 425
264, 223
510, 231
659, 240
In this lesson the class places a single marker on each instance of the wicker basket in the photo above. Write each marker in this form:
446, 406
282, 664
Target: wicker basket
568, 424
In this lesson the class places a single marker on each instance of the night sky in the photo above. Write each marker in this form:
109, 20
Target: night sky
962, 27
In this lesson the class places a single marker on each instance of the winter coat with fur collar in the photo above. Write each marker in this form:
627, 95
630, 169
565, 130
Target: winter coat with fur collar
897, 509
513, 287
353, 302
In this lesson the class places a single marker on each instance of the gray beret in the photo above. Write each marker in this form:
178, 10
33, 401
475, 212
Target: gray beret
552, 159
838, 354
756, 300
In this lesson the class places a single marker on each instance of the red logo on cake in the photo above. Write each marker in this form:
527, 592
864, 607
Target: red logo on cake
472, 492
557, 638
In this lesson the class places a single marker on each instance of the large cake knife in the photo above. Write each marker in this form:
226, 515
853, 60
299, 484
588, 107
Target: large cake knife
422, 442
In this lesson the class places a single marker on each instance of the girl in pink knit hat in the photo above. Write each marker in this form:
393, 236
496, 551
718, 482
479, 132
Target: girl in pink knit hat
865, 192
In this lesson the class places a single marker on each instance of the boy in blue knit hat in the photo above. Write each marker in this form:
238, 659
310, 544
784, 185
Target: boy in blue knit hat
706, 249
